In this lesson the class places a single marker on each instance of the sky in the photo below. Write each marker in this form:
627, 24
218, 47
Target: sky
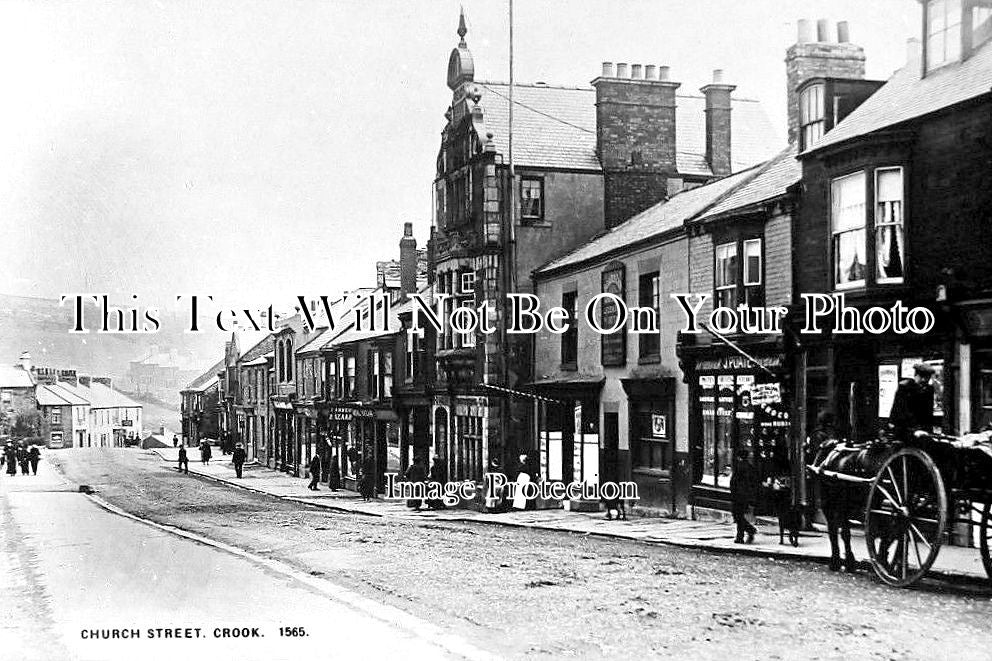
256, 151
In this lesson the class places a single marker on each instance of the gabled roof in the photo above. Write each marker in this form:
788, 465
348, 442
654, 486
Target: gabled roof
102, 397
555, 127
652, 222
211, 373
348, 333
48, 396
14, 376
907, 95
773, 180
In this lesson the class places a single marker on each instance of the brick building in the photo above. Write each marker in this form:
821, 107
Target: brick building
17, 394
584, 160
896, 208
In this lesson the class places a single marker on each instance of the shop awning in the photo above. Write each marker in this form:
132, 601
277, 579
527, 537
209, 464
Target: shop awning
521, 393
570, 388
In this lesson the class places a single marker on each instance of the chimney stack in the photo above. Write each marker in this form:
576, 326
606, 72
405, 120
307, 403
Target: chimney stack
408, 262
635, 137
822, 58
26, 361
718, 131
84, 381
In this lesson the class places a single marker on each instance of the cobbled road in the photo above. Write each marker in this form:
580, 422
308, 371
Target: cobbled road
535, 594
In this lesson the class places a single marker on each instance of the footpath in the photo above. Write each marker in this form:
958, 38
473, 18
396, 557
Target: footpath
953, 562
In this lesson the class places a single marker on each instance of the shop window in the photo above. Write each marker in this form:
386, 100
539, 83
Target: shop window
570, 338
984, 397
847, 214
943, 21
812, 120
649, 296
532, 199
468, 447
653, 434
889, 234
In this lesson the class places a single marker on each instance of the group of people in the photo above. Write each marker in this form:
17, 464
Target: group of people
417, 472
20, 455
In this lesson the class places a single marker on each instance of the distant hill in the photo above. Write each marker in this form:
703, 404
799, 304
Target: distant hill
41, 326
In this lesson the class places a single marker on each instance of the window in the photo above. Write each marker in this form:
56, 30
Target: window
889, 237
531, 198
332, 378
570, 338
649, 296
981, 24
280, 357
943, 32
652, 425
847, 220
468, 282
349, 384
373, 374
412, 346
725, 275
57, 439
811, 115
387, 375
56, 416
289, 360
754, 290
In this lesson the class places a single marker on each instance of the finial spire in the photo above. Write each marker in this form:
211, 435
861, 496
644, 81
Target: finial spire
462, 30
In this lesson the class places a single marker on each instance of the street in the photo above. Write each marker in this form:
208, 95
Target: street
70, 566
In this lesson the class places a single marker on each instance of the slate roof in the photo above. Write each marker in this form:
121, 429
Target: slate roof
772, 180
14, 376
198, 382
47, 396
555, 127
654, 221
102, 397
907, 96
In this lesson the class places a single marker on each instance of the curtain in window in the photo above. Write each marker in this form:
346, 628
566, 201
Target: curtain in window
889, 240
848, 224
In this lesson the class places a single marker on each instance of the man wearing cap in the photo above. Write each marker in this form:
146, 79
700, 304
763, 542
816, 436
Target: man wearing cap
912, 406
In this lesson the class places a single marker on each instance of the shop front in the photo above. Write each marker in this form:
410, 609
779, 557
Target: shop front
738, 404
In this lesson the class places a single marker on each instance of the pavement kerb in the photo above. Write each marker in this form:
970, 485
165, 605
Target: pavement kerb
863, 565
384, 613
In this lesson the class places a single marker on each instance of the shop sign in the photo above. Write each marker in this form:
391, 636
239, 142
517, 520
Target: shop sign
888, 383
766, 393
736, 362
346, 414
659, 425
127, 423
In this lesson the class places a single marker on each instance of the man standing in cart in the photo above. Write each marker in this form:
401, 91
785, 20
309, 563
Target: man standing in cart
912, 406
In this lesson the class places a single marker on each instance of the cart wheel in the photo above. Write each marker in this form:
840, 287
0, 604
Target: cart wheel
905, 517
985, 538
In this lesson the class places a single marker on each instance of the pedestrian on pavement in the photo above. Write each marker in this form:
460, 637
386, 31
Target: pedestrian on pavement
10, 457
175, 440
314, 473
366, 484
34, 454
205, 452
239, 457
416, 474
334, 474
439, 474
22, 457
743, 488
183, 460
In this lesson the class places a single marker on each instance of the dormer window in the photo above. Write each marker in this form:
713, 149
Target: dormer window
943, 30
812, 116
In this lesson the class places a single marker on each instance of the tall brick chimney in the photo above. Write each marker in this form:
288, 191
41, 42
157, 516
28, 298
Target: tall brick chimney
814, 55
408, 262
717, 96
635, 137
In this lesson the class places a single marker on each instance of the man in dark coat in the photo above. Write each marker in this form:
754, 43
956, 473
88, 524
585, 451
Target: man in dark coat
334, 473
439, 474
22, 457
205, 452
10, 458
175, 440
183, 459
238, 458
912, 406
743, 488
416, 474
34, 455
366, 484
314, 473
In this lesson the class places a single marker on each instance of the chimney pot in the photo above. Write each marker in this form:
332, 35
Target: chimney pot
718, 76
407, 229
608, 70
650, 72
622, 70
804, 31
664, 73
843, 32
823, 30
635, 71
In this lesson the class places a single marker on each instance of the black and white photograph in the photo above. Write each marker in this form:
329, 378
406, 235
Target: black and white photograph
496, 329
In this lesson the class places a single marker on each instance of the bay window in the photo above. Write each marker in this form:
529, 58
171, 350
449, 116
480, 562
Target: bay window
847, 220
889, 235
812, 116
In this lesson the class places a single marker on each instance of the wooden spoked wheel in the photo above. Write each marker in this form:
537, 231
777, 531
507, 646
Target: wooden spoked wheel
905, 517
985, 538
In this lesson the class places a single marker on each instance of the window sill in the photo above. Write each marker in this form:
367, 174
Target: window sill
534, 222
652, 472
568, 367
649, 360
